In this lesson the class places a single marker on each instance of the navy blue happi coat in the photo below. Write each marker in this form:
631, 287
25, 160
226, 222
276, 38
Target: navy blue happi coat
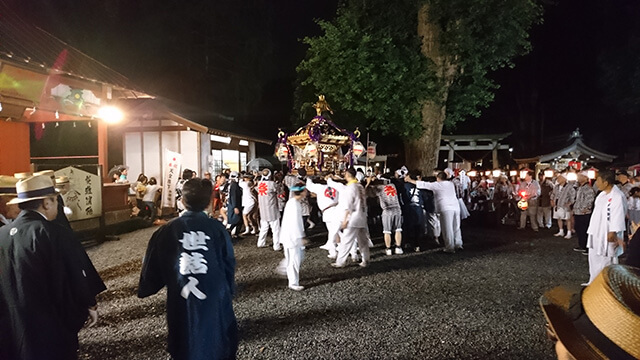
193, 256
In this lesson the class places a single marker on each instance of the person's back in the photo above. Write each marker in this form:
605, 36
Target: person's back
47, 282
193, 256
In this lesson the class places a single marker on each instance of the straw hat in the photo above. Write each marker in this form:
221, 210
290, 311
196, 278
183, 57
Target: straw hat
22, 175
48, 173
8, 185
602, 322
61, 180
33, 188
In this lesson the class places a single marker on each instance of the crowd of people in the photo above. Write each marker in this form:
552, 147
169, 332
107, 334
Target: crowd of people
45, 273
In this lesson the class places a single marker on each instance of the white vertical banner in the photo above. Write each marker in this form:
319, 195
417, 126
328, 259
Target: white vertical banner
172, 165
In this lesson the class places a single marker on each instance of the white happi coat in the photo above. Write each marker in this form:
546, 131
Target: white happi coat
444, 193
608, 216
327, 197
268, 200
292, 228
352, 199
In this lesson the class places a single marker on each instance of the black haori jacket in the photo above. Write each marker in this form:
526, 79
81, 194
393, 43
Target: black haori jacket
193, 257
47, 283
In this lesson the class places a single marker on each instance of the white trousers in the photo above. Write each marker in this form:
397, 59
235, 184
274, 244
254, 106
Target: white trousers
292, 260
599, 262
264, 230
544, 217
332, 229
451, 234
433, 225
348, 240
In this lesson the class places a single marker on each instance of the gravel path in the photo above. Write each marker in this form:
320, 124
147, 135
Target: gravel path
481, 303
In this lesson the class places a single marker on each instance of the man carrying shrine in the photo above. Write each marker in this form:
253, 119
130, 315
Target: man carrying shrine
352, 211
193, 257
391, 212
268, 191
327, 197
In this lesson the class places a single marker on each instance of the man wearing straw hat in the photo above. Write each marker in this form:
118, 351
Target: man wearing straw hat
47, 282
7, 192
61, 218
600, 322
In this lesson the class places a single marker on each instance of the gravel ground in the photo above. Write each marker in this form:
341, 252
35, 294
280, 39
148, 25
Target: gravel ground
481, 303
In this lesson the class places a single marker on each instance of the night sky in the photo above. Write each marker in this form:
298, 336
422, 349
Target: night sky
239, 57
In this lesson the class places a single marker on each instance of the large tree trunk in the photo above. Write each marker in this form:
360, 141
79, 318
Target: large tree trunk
422, 153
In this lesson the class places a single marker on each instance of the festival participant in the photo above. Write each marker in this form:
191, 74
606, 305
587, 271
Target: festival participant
47, 282
193, 257
562, 199
531, 190
216, 196
292, 236
269, 213
606, 226
582, 209
447, 206
544, 201
387, 194
234, 204
412, 206
327, 198
352, 211
623, 182
149, 198
248, 203
465, 181
340, 186
61, 218
290, 180
140, 187
186, 176
7, 193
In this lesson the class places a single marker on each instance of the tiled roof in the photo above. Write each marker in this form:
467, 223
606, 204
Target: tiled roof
31, 47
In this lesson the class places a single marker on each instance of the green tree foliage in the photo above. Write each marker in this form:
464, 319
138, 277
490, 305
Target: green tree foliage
369, 66
369, 60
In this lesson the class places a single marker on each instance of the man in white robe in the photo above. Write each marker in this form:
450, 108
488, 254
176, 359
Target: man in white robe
327, 197
607, 225
352, 210
269, 212
447, 206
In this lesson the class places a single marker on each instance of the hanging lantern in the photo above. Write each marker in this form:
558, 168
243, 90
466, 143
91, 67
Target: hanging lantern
282, 152
472, 173
358, 149
496, 173
311, 150
548, 173
591, 173
513, 172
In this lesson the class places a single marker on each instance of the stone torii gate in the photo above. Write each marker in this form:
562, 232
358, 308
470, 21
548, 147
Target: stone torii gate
491, 142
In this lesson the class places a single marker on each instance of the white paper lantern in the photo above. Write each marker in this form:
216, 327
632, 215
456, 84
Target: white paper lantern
358, 149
